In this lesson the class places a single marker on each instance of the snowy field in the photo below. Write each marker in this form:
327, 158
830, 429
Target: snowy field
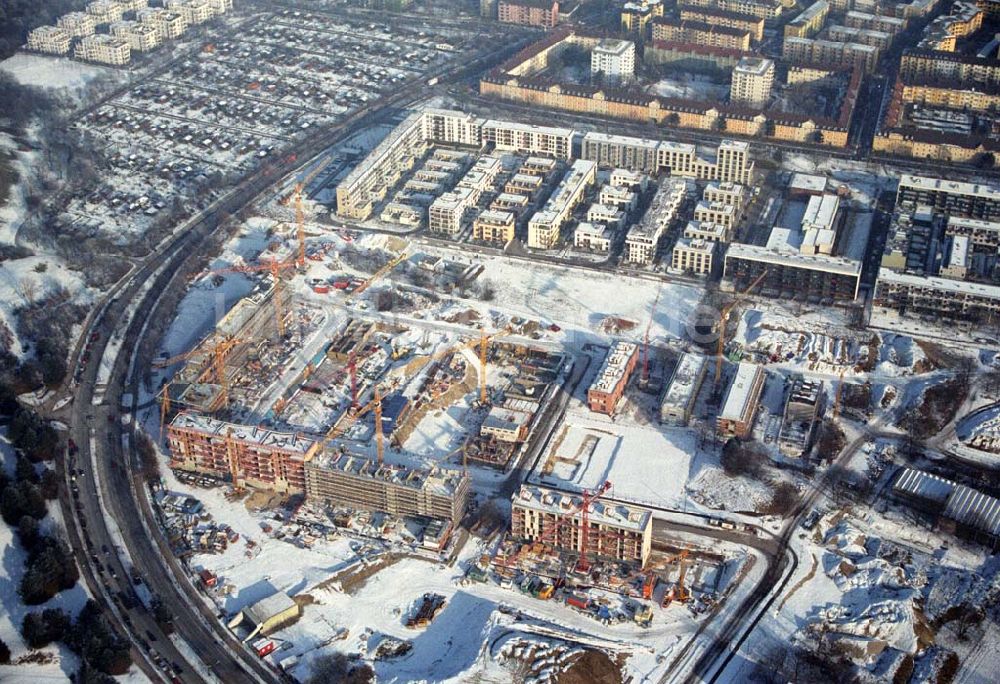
644, 464
55, 73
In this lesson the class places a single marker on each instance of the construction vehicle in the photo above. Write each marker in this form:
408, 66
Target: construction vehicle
677, 591
724, 318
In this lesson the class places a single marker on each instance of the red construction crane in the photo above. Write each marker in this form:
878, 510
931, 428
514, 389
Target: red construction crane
588, 498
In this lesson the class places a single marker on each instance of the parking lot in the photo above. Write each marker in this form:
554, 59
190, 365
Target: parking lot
233, 103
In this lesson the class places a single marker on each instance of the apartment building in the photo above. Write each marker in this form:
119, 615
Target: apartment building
524, 184
941, 298
194, 11
925, 66
769, 10
105, 11
702, 34
719, 17
344, 479
643, 238
679, 400
977, 99
595, 237
612, 377
791, 275
875, 22
616, 532
614, 60
495, 227
544, 226
739, 408
103, 49
132, 5
140, 37
830, 53
220, 7
809, 21
752, 81
635, 16
512, 202
619, 151
261, 458
453, 126
51, 39
848, 34
537, 166
954, 198
984, 235
520, 138
609, 215
718, 213
538, 13
77, 24
709, 232
693, 255
169, 25
619, 197
731, 161
446, 215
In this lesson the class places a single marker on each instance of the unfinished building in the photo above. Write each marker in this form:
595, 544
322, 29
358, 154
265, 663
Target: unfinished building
343, 479
615, 531
612, 377
682, 392
254, 456
739, 408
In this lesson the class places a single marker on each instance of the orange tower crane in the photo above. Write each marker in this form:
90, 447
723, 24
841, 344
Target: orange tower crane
723, 318
218, 351
483, 342
276, 268
588, 498
300, 226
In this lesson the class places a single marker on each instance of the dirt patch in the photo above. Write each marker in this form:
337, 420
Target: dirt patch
594, 667
939, 405
303, 600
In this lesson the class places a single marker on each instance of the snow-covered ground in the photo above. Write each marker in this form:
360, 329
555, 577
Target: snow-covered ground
55, 73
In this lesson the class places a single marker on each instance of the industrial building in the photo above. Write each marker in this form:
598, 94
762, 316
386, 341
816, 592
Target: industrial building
616, 531
612, 377
51, 39
958, 508
739, 408
679, 400
344, 479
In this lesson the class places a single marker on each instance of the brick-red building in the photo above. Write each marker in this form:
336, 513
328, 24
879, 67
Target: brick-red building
609, 385
541, 13
264, 458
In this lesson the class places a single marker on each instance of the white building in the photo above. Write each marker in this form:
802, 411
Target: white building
753, 78
105, 11
682, 392
643, 238
77, 24
140, 37
51, 39
544, 226
693, 255
169, 25
194, 11
447, 212
615, 59
592, 236
103, 49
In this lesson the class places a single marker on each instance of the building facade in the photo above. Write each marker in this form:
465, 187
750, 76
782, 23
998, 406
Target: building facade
612, 377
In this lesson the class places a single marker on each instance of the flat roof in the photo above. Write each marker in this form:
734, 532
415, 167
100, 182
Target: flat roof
436, 480
949, 186
601, 512
817, 262
612, 369
740, 392
940, 284
807, 182
286, 441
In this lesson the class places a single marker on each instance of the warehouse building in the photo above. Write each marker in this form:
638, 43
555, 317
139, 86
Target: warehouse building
958, 509
617, 532
268, 614
343, 479
739, 408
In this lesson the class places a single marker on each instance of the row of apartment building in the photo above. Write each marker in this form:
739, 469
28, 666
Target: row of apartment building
293, 464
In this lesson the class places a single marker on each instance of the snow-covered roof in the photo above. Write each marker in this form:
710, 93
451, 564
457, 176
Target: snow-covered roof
269, 607
815, 262
684, 381
601, 512
953, 187
285, 441
921, 485
437, 480
742, 392
941, 284
974, 509
612, 370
